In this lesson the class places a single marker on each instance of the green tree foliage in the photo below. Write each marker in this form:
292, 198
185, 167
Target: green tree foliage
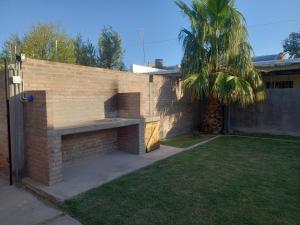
291, 45
11, 47
217, 60
2, 64
85, 52
40, 43
110, 49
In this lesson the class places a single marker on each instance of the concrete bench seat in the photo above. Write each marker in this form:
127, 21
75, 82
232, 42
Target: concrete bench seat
103, 124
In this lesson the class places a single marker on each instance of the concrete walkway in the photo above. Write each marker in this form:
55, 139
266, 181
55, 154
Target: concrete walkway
82, 175
19, 207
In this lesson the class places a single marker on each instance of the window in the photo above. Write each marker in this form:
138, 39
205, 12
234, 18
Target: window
279, 84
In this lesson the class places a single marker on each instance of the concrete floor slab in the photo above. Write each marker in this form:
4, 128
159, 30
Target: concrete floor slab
17, 206
82, 175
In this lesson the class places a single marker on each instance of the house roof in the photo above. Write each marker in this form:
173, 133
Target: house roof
266, 63
264, 58
175, 72
278, 65
171, 70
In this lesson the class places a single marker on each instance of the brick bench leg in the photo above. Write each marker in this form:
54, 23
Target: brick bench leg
131, 139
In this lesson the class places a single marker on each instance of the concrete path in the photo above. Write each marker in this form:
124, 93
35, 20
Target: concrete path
19, 207
82, 175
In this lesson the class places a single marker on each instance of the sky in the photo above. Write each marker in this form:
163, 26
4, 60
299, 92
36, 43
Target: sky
269, 22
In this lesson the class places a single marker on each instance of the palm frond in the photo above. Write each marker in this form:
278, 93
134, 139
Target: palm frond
217, 55
197, 84
229, 89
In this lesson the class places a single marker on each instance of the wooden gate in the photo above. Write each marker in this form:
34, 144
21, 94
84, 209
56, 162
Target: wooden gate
152, 136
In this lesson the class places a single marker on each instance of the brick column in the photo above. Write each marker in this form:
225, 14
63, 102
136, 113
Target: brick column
55, 160
131, 139
43, 148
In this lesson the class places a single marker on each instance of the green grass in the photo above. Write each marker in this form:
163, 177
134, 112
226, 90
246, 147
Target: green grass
271, 136
185, 141
229, 181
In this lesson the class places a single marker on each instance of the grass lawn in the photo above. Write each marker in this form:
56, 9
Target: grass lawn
185, 141
231, 180
269, 136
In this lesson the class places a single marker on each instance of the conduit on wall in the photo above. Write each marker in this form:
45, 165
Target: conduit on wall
8, 124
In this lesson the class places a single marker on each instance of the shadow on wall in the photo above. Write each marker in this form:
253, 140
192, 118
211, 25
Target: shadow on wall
179, 114
111, 107
126, 105
111, 104
279, 114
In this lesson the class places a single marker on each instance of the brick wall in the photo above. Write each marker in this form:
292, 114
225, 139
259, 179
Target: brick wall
178, 113
85, 144
129, 105
39, 149
77, 106
3, 128
164, 97
67, 94
85, 93
129, 138
80, 93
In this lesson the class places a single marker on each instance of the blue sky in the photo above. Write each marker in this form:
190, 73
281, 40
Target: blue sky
269, 22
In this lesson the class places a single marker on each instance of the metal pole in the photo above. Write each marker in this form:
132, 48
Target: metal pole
11, 53
56, 51
142, 35
8, 124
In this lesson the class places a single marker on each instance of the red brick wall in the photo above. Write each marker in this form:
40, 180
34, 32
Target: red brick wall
178, 113
128, 138
128, 105
67, 94
85, 144
78, 92
37, 122
85, 93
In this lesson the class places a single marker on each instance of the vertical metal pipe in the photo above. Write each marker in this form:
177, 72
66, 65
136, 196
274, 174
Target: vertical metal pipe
8, 124
56, 51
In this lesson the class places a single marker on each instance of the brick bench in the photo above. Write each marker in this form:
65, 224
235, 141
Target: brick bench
102, 135
55, 132
81, 140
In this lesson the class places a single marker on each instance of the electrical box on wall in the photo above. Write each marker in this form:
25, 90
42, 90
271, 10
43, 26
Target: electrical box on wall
16, 80
23, 57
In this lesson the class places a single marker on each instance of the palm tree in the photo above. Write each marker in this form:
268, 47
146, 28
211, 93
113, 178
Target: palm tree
217, 61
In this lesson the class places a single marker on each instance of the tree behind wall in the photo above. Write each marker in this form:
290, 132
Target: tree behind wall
110, 49
291, 45
85, 52
2, 65
217, 60
40, 43
11, 47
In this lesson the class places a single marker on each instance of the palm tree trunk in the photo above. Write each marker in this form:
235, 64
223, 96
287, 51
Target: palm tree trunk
213, 118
